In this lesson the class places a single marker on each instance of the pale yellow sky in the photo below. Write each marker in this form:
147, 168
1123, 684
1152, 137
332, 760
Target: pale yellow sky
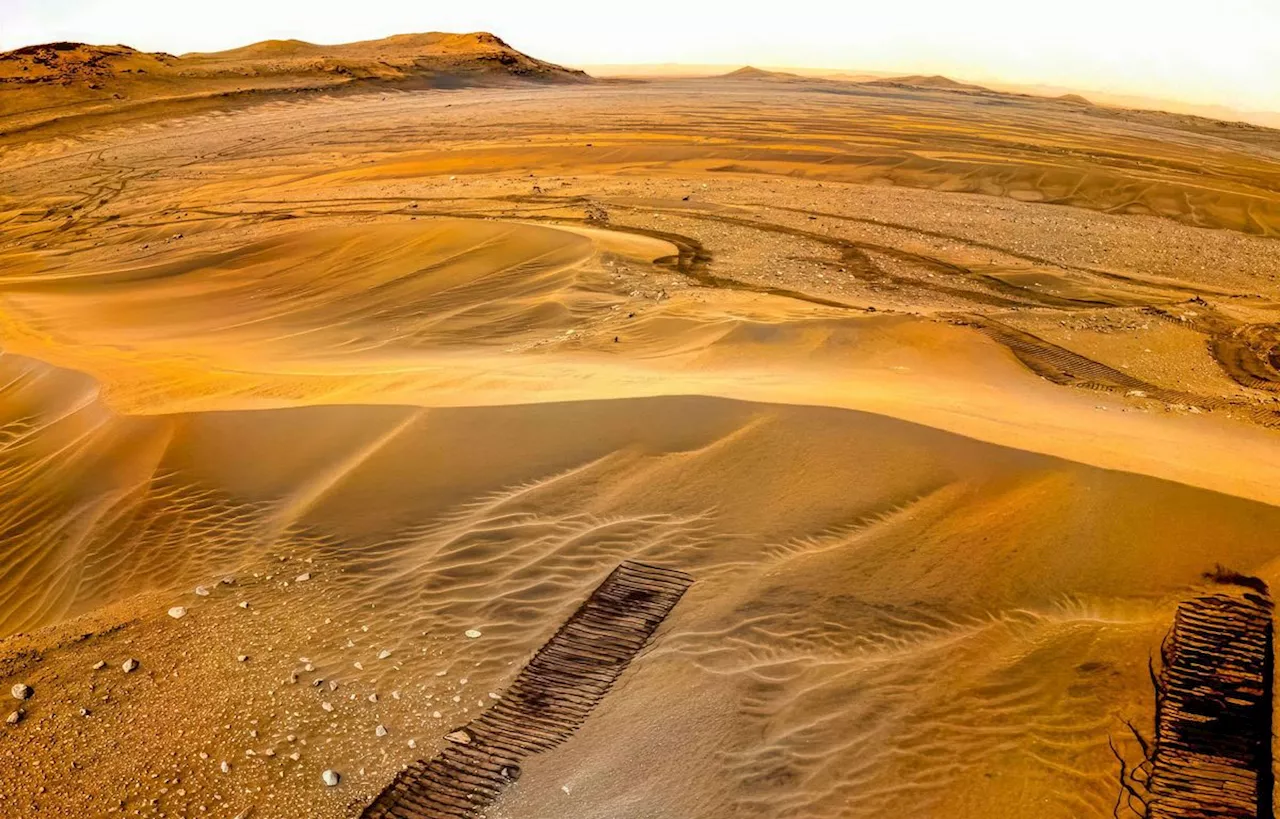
1224, 52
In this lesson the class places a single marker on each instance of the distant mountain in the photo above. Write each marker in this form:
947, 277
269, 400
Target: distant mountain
57, 80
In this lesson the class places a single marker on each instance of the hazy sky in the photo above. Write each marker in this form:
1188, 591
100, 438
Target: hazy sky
1206, 51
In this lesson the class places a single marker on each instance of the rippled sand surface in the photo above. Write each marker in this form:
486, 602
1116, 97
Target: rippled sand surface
372, 371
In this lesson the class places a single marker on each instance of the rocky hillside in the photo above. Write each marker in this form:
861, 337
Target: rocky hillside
44, 83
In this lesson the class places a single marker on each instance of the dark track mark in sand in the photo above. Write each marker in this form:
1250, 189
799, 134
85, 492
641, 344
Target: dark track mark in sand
1062, 366
693, 260
549, 700
984, 289
1248, 353
1212, 751
1021, 255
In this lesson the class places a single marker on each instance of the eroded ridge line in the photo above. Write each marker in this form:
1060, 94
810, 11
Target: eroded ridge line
548, 701
1212, 753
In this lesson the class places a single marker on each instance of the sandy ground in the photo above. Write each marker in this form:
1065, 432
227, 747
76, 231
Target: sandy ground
944, 403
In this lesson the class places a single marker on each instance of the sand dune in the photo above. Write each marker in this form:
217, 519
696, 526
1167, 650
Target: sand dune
945, 405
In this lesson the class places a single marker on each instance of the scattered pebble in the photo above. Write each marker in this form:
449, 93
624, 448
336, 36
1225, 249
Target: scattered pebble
380, 731
22, 691
130, 665
473, 633
331, 778
178, 612
460, 736
15, 717
202, 591
304, 577
99, 665
384, 654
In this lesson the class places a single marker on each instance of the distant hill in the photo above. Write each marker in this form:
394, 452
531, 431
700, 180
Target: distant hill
58, 80
1073, 98
749, 72
935, 81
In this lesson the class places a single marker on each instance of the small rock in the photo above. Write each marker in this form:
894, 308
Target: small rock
384, 654
413, 743
380, 731
333, 685
228, 581
178, 612
328, 706
373, 697
244, 604
304, 577
473, 633
226, 766
22, 691
331, 778
15, 717
99, 665
128, 666
460, 736
202, 591
242, 658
